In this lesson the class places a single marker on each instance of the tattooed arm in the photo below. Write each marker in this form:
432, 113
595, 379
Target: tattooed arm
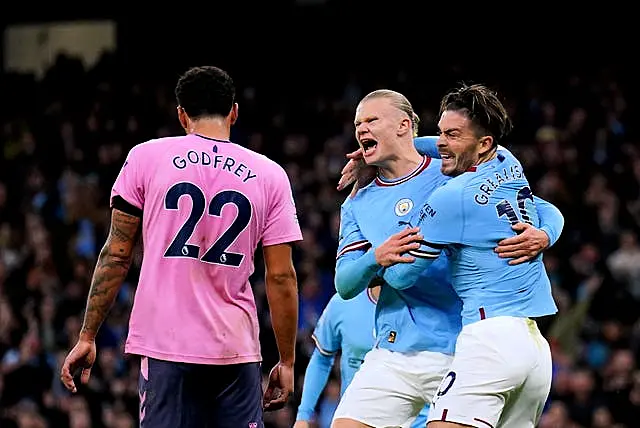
111, 270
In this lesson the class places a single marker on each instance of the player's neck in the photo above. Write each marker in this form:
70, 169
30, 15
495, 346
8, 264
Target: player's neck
486, 157
215, 128
401, 165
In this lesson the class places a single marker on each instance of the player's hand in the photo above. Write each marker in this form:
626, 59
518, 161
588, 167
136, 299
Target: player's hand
280, 387
82, 356
356, 171
525, 246
391, 251
302, 424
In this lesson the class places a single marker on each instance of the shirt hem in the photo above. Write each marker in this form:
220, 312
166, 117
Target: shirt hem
282, 240
193, 359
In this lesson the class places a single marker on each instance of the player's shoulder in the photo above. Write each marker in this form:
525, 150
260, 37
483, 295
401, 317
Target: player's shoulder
479, 174
363, 195
351, 202
505, 155
334, 306
145, 153
339, 305
156, 142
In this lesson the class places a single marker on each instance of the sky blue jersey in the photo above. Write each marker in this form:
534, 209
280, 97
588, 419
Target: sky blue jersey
347, 326
425, 318
465, 219
551, 219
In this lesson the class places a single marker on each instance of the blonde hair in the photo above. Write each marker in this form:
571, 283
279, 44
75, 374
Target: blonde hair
400, 102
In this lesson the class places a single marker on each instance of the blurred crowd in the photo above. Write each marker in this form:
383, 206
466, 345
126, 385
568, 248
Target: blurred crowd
64, 139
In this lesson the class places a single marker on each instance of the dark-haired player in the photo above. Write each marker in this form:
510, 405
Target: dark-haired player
501, 371
202, 204
417, 327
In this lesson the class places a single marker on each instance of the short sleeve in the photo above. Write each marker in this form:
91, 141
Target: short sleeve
282, 220
326, 334
129, 184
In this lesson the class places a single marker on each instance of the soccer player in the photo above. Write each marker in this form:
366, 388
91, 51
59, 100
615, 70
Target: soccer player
345, 325
417, 327
520, 248
202, 204
501, 371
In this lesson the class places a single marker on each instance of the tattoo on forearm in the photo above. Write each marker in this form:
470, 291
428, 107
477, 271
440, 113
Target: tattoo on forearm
112, 267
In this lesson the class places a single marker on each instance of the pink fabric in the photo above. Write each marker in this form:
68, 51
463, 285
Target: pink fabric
215, 201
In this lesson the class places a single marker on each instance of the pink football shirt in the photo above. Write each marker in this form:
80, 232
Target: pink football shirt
206, 204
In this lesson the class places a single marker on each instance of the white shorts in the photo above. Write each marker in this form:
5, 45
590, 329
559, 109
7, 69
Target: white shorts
391, 388
500, 376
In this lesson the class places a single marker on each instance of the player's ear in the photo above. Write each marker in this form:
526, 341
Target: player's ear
233, 115
404, 127
486, 143
183, 118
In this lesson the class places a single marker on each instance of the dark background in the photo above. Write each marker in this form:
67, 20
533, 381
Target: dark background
568, 78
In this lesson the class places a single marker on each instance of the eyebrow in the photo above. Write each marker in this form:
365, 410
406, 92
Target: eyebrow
364, 119
449, 130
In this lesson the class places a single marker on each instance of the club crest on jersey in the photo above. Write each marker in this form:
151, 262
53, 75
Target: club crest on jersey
403, 206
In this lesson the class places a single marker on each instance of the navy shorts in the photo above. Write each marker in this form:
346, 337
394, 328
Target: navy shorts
181, 395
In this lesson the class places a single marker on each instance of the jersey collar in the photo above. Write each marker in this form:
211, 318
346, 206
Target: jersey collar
381, 181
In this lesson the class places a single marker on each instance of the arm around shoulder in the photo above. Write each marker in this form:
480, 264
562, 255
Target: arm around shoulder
551, 219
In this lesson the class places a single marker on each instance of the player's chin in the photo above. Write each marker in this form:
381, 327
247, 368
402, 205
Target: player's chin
448, 169
371, 158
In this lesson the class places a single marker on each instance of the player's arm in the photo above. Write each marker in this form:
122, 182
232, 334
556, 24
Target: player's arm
127, 201
356, 263
530, 241
112, 267
282, 293
440, 221
427, 146
315, 380
551, 219
327, 339
355, 269
359, 263
281, 230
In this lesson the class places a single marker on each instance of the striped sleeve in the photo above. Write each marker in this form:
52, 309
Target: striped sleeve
326, 335
427, 250
362, 245
351, 238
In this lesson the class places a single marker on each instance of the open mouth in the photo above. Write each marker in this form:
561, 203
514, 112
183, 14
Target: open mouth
368, 145
445, 156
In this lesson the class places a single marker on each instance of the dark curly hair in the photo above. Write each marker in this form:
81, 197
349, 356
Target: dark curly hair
205, 91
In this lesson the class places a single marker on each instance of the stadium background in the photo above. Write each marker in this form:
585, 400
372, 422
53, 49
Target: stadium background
299, 76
